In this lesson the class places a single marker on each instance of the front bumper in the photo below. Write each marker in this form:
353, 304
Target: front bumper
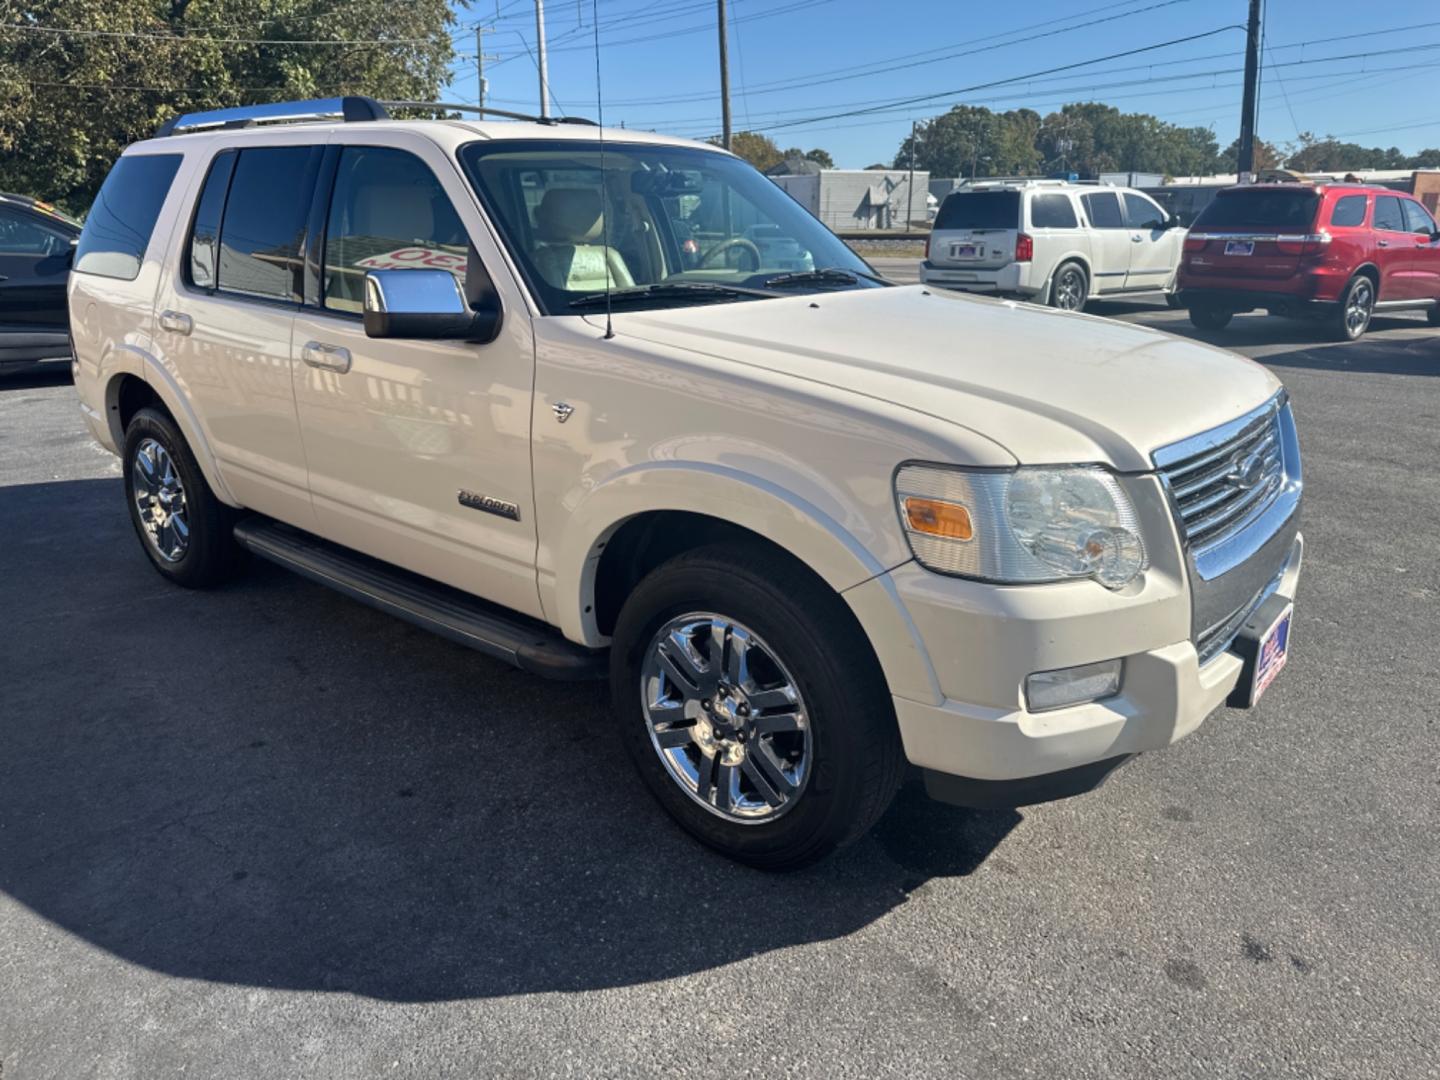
1018, 756
1012, 280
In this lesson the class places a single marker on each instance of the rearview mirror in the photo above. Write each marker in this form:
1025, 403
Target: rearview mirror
426, 304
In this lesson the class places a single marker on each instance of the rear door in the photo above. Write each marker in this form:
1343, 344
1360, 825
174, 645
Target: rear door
1255, 233
34, 263
226, 312
1109, 241
1426, 251
976, 230
1154, 247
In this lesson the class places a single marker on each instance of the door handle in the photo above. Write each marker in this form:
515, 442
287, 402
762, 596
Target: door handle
328, 357
1382, 243
176, 322
1137, 239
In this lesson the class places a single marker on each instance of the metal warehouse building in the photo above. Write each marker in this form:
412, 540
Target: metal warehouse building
859, 198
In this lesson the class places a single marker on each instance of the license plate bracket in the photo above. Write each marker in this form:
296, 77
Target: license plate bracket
1264, 649
1239, 247
965, 251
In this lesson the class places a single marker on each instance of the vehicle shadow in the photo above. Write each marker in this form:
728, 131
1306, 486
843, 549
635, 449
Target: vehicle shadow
35, 378
269, 785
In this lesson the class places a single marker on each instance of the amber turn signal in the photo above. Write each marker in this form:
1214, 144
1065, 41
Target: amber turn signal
932, 517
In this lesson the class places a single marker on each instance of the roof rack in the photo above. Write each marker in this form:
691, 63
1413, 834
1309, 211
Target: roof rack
485, 110
350, 109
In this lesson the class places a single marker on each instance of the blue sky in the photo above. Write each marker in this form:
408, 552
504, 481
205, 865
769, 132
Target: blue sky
794, 61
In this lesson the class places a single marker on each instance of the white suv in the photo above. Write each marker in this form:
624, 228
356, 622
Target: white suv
1054, 242
539, 391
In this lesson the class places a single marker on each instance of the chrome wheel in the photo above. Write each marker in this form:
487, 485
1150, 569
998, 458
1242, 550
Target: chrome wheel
1358, 306
160, 500
1069, 289
726, 717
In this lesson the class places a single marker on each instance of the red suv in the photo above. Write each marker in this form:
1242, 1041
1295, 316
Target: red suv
1338, 252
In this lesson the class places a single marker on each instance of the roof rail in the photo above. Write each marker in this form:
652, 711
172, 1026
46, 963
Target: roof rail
485, 110
349, 109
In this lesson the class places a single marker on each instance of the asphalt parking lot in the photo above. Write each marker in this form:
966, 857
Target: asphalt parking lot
266, 832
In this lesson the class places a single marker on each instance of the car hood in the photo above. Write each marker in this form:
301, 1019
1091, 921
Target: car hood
1051, 387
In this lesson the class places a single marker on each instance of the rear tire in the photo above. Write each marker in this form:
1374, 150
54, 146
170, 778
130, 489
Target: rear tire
707, 733
1357, 305
1070, 287
1210, 318
187, 533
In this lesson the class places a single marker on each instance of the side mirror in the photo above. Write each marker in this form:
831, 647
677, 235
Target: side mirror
1435, 236
425, 304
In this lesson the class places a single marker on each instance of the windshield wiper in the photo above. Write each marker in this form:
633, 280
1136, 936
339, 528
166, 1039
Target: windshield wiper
829, 275
670, 290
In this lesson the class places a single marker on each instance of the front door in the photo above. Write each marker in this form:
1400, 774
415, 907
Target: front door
1425, 250
1394, 250
34, 263
418, 451
225, 316
1109, 241
1154, 249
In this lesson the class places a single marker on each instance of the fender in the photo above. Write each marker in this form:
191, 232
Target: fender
753, 503
130, 359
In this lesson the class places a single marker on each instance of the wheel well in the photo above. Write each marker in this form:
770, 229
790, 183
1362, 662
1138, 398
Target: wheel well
1372, 272
1078, 260
128, 395
645, 541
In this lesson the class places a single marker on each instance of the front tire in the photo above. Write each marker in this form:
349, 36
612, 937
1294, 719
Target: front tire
1070, 287
185, 530
753, 707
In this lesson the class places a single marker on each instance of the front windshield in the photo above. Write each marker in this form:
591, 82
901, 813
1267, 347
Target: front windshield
687, 223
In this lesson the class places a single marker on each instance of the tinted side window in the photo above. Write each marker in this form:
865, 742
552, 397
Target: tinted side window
1052, 212
388, 212
1349, 211
205, 233
1417, 217
262, 235
1388, 215
1103, 210
20, 234
1141, 213
119, 225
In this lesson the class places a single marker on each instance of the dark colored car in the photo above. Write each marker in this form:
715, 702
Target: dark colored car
1336, 252
36, 246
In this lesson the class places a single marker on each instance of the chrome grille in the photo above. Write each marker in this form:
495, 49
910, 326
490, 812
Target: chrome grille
1214, 640
1222, 487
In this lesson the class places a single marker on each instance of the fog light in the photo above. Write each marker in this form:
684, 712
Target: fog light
1072, 685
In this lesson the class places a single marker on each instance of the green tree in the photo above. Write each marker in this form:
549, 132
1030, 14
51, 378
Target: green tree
759, 150
1425, 159
1267, 156
71, 101
820, 157
973, 141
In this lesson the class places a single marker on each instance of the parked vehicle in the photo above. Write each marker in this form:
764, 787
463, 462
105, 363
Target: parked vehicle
36, 242
1051, 241
809, 524
1338, 253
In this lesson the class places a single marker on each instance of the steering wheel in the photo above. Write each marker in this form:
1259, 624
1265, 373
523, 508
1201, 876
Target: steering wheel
734, 242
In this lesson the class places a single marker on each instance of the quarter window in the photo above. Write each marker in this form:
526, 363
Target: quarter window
205, 233
1103, 210
118, 227
1388, 215
388, 213
1417, 218
1349, 211
1052, 212
1141, 213
262, 233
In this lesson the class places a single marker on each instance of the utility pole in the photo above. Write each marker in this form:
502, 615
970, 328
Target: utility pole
482, 87
540, 59
910, 191
1245, 157
724, 78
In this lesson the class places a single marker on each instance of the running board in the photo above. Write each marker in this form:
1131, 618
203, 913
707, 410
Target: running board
466, 620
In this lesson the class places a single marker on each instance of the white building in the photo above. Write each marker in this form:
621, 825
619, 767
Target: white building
860, 198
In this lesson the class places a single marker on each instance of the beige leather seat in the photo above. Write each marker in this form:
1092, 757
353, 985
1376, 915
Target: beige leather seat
571, 255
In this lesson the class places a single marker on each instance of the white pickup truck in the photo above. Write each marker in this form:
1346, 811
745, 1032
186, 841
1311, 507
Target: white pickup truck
533, 386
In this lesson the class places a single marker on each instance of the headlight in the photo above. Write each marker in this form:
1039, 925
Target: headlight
1022, 525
